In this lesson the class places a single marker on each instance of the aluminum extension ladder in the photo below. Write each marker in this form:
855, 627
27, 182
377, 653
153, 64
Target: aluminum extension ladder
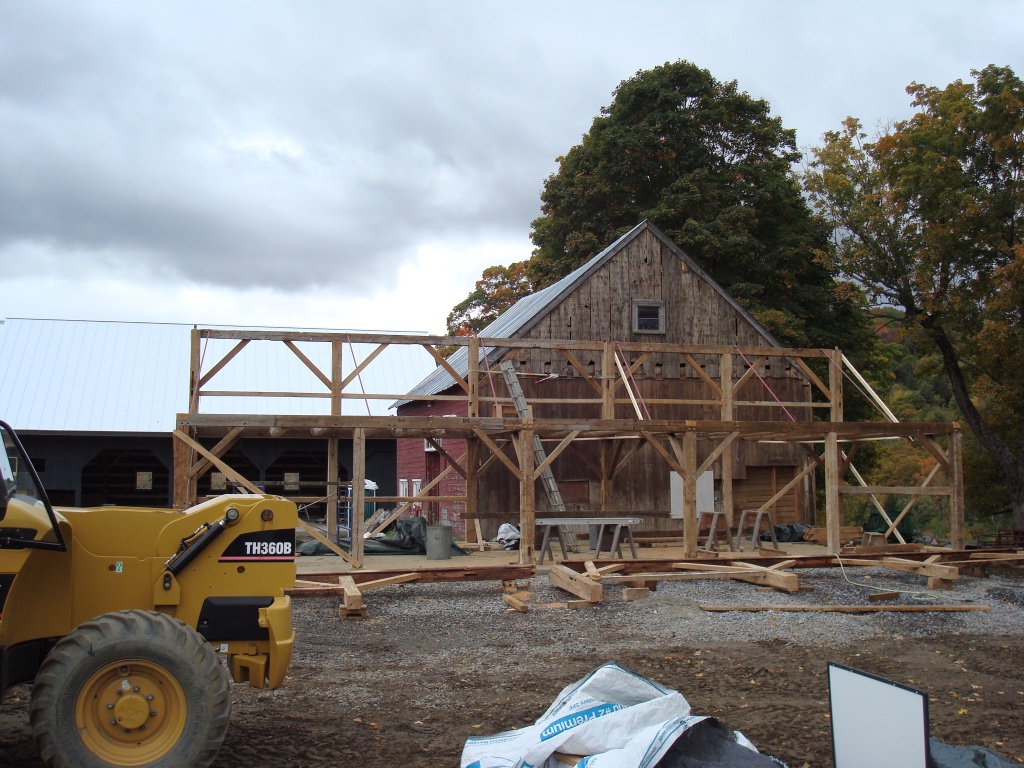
547, 479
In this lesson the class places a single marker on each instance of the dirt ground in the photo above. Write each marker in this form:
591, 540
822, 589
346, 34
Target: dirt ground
406, 688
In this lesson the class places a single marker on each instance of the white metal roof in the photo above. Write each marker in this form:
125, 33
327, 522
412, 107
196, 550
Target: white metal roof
95, 376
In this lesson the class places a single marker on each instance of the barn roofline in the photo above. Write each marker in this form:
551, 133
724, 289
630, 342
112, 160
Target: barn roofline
521, 317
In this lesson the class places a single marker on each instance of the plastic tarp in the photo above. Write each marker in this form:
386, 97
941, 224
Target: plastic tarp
946, 756
616, 718
409, 538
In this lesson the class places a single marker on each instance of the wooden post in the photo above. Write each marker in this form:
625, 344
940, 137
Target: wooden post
690, 493
195, 362
527, 497
470, 518
473, 377
358, 493
725, 373
608, 381
184, 494
607, 474
833, 513
835, 383
956, 498
333, 489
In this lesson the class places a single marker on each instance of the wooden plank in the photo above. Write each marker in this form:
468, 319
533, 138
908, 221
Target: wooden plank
881, 549
849, 608
582, 586
498, 453
387, 581
228, 471
516, 603
221, 363
353, 597
898, 490
308, 363
327, 542
911, 566
442, 574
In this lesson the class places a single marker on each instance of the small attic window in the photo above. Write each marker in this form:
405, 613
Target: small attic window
648, 317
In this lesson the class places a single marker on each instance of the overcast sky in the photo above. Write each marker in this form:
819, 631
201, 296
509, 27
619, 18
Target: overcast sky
356, 165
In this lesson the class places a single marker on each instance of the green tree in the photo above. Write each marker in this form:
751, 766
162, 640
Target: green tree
497, 289
711, 167
927, 218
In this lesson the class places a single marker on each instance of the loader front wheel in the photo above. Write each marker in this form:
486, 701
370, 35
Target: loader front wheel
132, 688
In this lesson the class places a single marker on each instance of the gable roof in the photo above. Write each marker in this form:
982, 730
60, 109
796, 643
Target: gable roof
124, 377
517, 320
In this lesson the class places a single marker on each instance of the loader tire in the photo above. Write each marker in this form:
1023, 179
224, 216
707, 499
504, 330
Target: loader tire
132, 688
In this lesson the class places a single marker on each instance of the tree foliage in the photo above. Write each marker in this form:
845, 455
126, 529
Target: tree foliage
711, 167
497, 289
927, 218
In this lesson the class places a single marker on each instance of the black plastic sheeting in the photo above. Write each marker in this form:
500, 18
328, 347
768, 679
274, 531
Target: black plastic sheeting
788, 532
709, 744
946, 756
409, 538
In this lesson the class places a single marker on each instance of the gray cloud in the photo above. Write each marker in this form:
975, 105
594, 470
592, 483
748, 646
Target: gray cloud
271, 144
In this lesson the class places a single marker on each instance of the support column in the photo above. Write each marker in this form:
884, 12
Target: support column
184, 495
473, 377
956, 498
469, 518
358, 492
608, 381
725, 374
333, 490
833, 511
527, 498
607, 475
835, 384
690, 493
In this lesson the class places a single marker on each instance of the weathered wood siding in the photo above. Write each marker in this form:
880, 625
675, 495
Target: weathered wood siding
600, 309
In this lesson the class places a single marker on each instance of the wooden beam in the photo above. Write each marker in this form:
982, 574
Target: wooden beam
222, 447
584, 373
358, 493
228, 471
527, 497
498, 453
956, 499
848, 608
894, 490
223, 361
558, 450
308, 363
577, 584
703, 374
327, 542
833, 511
362, 366
727, 441
447, 457
447, 366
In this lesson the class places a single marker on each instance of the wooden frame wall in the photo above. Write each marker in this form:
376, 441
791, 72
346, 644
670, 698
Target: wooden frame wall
676, 442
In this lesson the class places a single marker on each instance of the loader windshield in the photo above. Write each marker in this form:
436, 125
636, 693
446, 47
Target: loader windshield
17, 479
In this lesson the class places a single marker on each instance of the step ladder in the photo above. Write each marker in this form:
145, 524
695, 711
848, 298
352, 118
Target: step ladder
547, 479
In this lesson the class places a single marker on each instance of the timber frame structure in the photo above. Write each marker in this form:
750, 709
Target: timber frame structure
487, 430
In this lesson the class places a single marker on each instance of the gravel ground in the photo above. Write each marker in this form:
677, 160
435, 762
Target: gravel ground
433, 664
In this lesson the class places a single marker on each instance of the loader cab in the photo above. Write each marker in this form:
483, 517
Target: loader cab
27, 519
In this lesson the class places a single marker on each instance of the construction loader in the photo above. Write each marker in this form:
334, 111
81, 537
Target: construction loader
120, 617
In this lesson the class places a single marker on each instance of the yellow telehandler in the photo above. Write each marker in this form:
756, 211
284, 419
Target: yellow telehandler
118, 615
